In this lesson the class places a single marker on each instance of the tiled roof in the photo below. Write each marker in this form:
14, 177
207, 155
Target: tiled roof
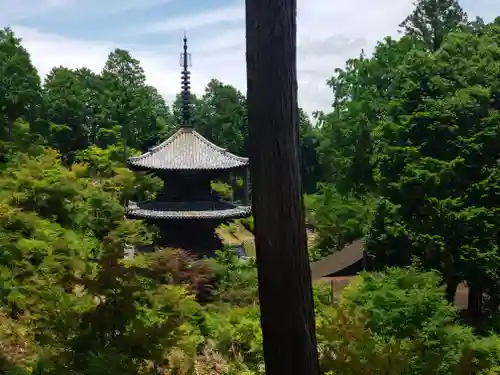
188, 150
187, 210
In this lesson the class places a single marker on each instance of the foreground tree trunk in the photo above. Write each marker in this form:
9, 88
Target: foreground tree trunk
286, 303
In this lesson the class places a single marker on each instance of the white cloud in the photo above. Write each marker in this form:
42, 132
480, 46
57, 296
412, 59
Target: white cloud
48, 51
329, 32
197, 20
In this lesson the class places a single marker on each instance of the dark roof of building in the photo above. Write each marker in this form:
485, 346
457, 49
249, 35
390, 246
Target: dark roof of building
328, 268
188, 150
338, 261
187, 210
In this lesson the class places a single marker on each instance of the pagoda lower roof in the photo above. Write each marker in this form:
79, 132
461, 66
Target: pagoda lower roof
187, 150
187, 210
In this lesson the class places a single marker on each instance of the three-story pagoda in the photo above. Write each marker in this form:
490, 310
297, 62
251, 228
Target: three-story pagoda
188, 211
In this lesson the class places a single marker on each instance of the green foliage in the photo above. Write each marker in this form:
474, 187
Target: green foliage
81, 309
408, 156
362, 92
236, 334
347, 347
224, 190
308, 141
338, 219
415, 126
235, 279
437, 158
248, 223
403, 301
396, 322
221, 115
431, 21
19, 84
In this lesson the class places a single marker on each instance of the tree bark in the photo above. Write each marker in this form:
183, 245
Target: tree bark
474, 301
286, 303
450, 290
10, 126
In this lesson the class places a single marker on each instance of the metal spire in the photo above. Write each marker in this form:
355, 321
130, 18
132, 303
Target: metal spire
185, 62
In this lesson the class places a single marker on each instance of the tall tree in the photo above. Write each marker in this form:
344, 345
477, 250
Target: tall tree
222, 110
70, 104
362, 92
431, 20
311, 168
19, 81
92, 90
131, 103
437, 164
287, 314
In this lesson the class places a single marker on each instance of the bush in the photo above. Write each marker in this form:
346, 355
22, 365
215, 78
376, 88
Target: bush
176, 266
337, 219
248, 223
224, 190
404, 311
235, 279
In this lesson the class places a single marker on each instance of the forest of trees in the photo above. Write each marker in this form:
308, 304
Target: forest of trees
407, 158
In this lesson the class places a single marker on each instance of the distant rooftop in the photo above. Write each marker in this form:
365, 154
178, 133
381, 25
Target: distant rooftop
188, 150
187, 210
340, 262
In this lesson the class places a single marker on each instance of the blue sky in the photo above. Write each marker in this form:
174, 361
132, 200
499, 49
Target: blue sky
76, 33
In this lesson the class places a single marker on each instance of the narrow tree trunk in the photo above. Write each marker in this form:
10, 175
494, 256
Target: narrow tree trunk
474, 301
450, 290
287, 315
10, 126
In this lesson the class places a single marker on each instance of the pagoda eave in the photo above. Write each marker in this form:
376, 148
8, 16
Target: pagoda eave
149, 168
181, 211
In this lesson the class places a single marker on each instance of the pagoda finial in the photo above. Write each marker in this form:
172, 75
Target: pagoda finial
185, 62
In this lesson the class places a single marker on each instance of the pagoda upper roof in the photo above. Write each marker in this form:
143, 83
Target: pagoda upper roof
187, 210
188, 150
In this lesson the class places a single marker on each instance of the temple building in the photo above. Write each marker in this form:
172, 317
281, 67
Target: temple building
188, 211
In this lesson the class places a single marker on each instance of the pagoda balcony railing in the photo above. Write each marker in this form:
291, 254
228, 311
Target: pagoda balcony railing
188, 206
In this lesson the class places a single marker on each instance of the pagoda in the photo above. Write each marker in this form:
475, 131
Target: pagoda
187, 211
